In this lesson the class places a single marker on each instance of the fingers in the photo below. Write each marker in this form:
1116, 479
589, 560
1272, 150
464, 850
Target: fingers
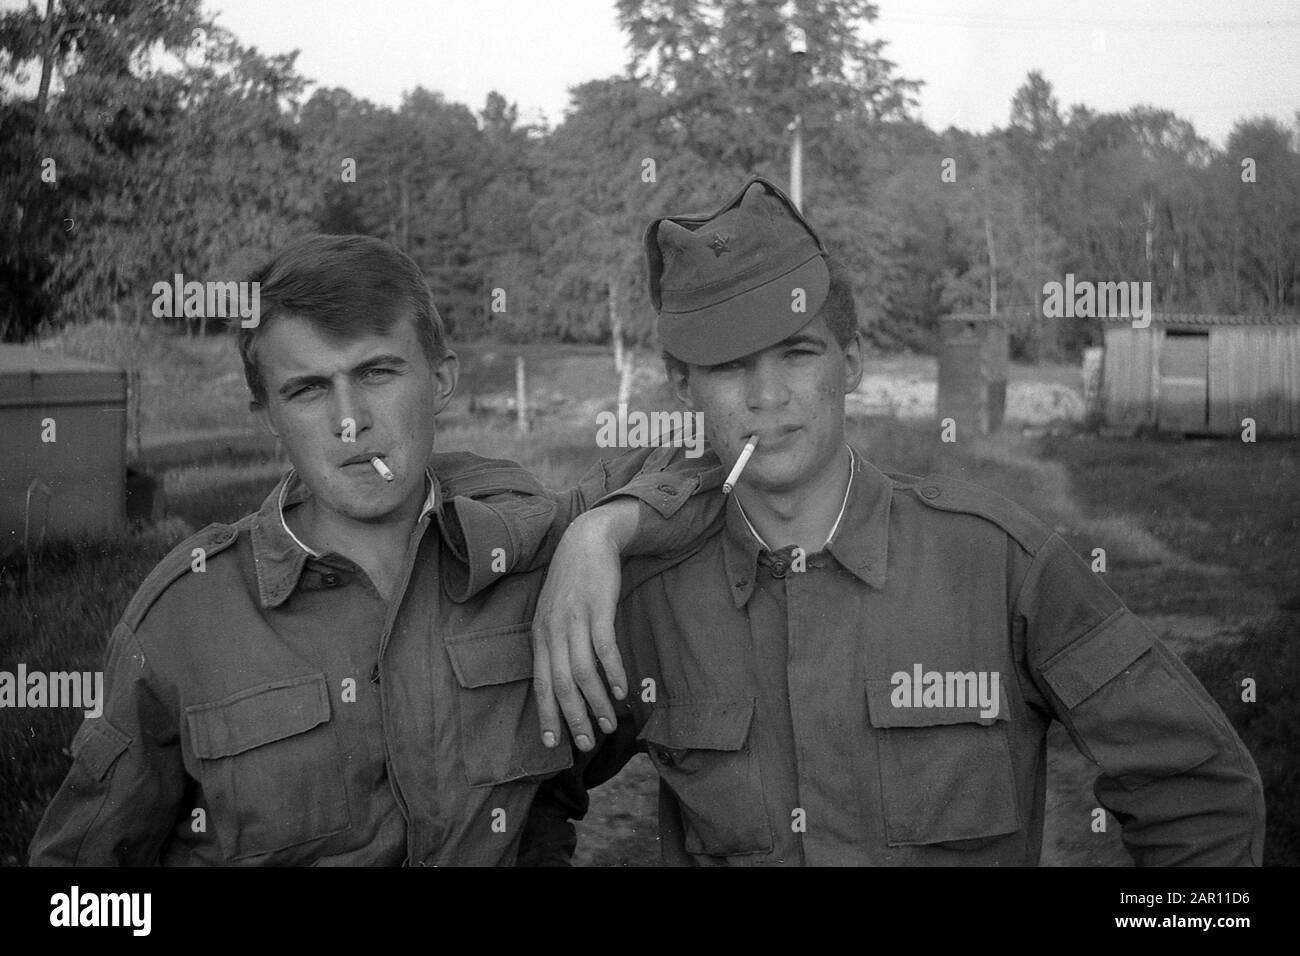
564, 682
587, 676
603, 640
548, 713
573, 627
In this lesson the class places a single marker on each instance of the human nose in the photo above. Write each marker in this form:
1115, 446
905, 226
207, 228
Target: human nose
767, 386
351, 413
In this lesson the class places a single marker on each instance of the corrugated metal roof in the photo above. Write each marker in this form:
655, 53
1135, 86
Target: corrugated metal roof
1208, 319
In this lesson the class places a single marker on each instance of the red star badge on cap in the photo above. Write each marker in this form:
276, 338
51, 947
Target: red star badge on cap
719, 244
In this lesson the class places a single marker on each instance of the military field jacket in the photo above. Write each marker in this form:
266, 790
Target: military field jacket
886, 700
265, 706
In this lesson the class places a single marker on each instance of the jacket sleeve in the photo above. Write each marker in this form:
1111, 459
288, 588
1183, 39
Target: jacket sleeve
497, 518
123, 793
1173, 770
679, 498
492, 515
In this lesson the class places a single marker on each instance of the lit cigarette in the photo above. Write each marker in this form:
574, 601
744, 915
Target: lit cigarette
740, 464
383, 469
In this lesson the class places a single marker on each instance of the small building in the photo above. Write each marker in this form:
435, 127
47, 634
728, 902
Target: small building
63, 436
1202, 374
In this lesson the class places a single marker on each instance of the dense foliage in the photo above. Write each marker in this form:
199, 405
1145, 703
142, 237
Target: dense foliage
157, 143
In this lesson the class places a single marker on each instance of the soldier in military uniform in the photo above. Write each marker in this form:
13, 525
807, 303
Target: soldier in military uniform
342, 677
858, 667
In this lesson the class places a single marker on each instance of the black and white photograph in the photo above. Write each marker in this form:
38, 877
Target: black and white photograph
651, 433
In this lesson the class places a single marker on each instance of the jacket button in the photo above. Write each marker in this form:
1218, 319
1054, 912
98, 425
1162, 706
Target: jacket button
930, 491
779, 567
666, 758
330, 580
668, 489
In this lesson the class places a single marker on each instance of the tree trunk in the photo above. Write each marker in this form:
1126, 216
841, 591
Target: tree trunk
49, 52
622, 363
521, 395
615, 322
1149, 208
625, 383
406, 213
993, 265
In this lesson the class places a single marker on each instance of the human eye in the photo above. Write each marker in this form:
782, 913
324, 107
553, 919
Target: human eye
305, 391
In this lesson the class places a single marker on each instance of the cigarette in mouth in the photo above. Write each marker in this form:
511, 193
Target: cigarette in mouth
740, 464
383, 469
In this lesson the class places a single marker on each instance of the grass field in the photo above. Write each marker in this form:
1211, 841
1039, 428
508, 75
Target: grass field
1202, 539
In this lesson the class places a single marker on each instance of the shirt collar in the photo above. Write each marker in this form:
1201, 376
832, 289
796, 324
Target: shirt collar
859, 539
848, 489
280, 555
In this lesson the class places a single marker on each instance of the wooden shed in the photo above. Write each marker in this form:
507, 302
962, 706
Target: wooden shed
1203, 374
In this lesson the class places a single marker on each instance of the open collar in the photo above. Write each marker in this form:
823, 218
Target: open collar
859, 539
278, 553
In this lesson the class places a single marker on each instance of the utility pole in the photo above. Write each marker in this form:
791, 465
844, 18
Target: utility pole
796, 162
798, 50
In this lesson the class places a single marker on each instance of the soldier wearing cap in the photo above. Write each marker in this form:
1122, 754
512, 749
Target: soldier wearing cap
859, 667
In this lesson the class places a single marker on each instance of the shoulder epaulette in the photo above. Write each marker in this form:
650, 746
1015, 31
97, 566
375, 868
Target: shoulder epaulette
950, 494
179, 561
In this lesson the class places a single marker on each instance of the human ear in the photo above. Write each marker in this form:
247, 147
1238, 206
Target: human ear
679, 377
853, 363
447, 375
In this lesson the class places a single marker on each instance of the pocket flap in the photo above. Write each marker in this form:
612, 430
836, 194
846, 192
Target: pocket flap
888, 710
497, 656
1092, 661
258, 715
97, 744
700, 724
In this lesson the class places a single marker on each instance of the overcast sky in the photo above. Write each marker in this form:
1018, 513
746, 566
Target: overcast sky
1210, 61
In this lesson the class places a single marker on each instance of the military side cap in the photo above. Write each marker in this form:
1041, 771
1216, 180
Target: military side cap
724, 285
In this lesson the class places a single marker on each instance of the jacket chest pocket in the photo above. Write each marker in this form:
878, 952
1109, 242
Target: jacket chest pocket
500, 737
946, 773
701, 751
271, 767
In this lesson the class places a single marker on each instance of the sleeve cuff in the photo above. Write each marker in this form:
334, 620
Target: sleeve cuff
484, 541
489, 539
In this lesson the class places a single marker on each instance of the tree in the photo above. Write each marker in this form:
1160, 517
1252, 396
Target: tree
725, 70
96, 105
219, 179
1265, 239
618, 161
1006, 250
